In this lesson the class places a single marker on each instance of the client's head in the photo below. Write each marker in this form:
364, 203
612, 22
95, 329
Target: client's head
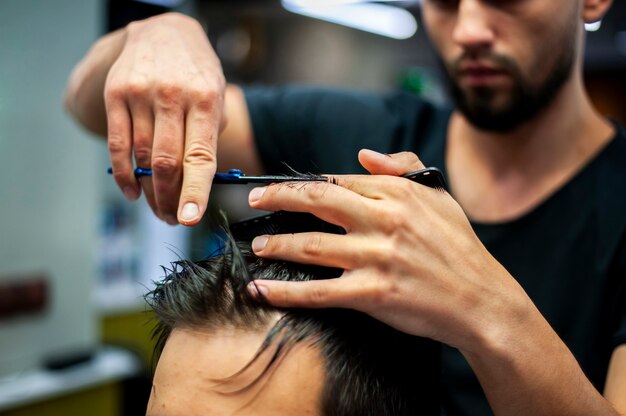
221, 352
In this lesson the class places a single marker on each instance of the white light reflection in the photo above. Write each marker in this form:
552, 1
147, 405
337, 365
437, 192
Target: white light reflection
326, 3
593, 27
380, 19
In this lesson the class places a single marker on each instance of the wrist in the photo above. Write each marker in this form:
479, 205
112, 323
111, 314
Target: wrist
501, 317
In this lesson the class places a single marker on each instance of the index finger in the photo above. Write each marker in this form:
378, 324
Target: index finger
325, 293
368, 186
199, 164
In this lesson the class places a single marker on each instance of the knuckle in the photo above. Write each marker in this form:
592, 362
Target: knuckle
403, 188
318, 295
117, 143
384, 255
312, 246
391, 220
199, 153
165, 164
141, 139
121, 175
390, 290
205, 98
317, 191
410, 157
143, 156
377, 294
169, 93
376, 290
114, 91
194, 191
397, 221
137, 89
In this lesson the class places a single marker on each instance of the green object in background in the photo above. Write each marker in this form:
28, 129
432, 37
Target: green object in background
425, 83
414, 80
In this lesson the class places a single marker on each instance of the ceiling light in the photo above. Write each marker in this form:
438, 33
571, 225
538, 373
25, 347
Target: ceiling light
380, 19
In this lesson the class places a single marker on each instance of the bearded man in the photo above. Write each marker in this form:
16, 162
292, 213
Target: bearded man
520, 269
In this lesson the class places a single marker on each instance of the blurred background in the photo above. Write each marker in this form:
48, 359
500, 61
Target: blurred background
76, 258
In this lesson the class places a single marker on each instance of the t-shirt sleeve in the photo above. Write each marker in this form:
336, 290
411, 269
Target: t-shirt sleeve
321, 130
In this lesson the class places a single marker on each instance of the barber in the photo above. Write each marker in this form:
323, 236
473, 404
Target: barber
522, 132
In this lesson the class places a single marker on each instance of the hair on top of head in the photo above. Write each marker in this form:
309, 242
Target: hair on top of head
371, 368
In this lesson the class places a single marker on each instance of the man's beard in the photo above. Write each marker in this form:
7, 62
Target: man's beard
525, 100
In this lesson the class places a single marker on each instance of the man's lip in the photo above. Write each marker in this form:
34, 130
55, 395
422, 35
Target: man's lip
482, 76
480, 69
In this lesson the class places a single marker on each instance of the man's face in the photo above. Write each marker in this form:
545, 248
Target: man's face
192, 376
505, 60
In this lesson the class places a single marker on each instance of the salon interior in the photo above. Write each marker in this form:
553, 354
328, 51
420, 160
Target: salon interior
76, 258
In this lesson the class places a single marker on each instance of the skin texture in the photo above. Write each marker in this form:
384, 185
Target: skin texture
518, 88
164, 109
448, 288
193, 361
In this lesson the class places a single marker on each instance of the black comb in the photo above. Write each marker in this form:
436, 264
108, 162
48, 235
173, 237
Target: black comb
281, 222
285, 222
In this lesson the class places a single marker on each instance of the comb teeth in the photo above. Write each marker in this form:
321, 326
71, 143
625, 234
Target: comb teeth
281, 222
431, 177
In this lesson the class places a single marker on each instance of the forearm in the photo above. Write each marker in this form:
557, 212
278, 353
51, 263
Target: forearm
525, 369
413, 261
84, 95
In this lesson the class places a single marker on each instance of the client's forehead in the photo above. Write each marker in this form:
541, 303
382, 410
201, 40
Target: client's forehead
187, 378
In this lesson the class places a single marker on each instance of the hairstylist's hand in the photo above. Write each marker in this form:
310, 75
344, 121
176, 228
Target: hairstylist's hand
164, 99
410, 256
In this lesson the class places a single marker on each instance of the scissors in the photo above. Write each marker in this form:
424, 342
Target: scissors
431, 177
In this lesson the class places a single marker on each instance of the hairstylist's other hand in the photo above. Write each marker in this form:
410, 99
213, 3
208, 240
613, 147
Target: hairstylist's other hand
410, 256
164, 98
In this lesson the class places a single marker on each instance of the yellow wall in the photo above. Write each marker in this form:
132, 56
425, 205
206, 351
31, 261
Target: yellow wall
130, 330
101, 401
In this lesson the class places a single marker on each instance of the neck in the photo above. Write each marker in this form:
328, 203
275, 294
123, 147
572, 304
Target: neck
569, 126
499, 176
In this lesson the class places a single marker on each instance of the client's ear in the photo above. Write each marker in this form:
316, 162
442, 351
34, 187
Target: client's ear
594, 10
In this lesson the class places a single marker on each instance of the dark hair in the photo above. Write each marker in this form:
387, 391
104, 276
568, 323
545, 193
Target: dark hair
371, 368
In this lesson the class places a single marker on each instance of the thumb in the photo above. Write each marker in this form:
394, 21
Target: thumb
394, 164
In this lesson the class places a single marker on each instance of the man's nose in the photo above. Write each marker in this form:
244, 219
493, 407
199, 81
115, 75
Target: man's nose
473, 29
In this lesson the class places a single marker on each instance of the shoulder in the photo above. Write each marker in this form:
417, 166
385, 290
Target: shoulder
326, 102
299, 124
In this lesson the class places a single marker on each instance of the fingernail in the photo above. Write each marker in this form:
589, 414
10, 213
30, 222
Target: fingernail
130, 192
256, 194
189, 212
256, 291
374, 154
259, 243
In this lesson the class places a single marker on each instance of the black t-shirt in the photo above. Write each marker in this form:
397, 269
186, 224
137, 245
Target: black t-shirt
569, 253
